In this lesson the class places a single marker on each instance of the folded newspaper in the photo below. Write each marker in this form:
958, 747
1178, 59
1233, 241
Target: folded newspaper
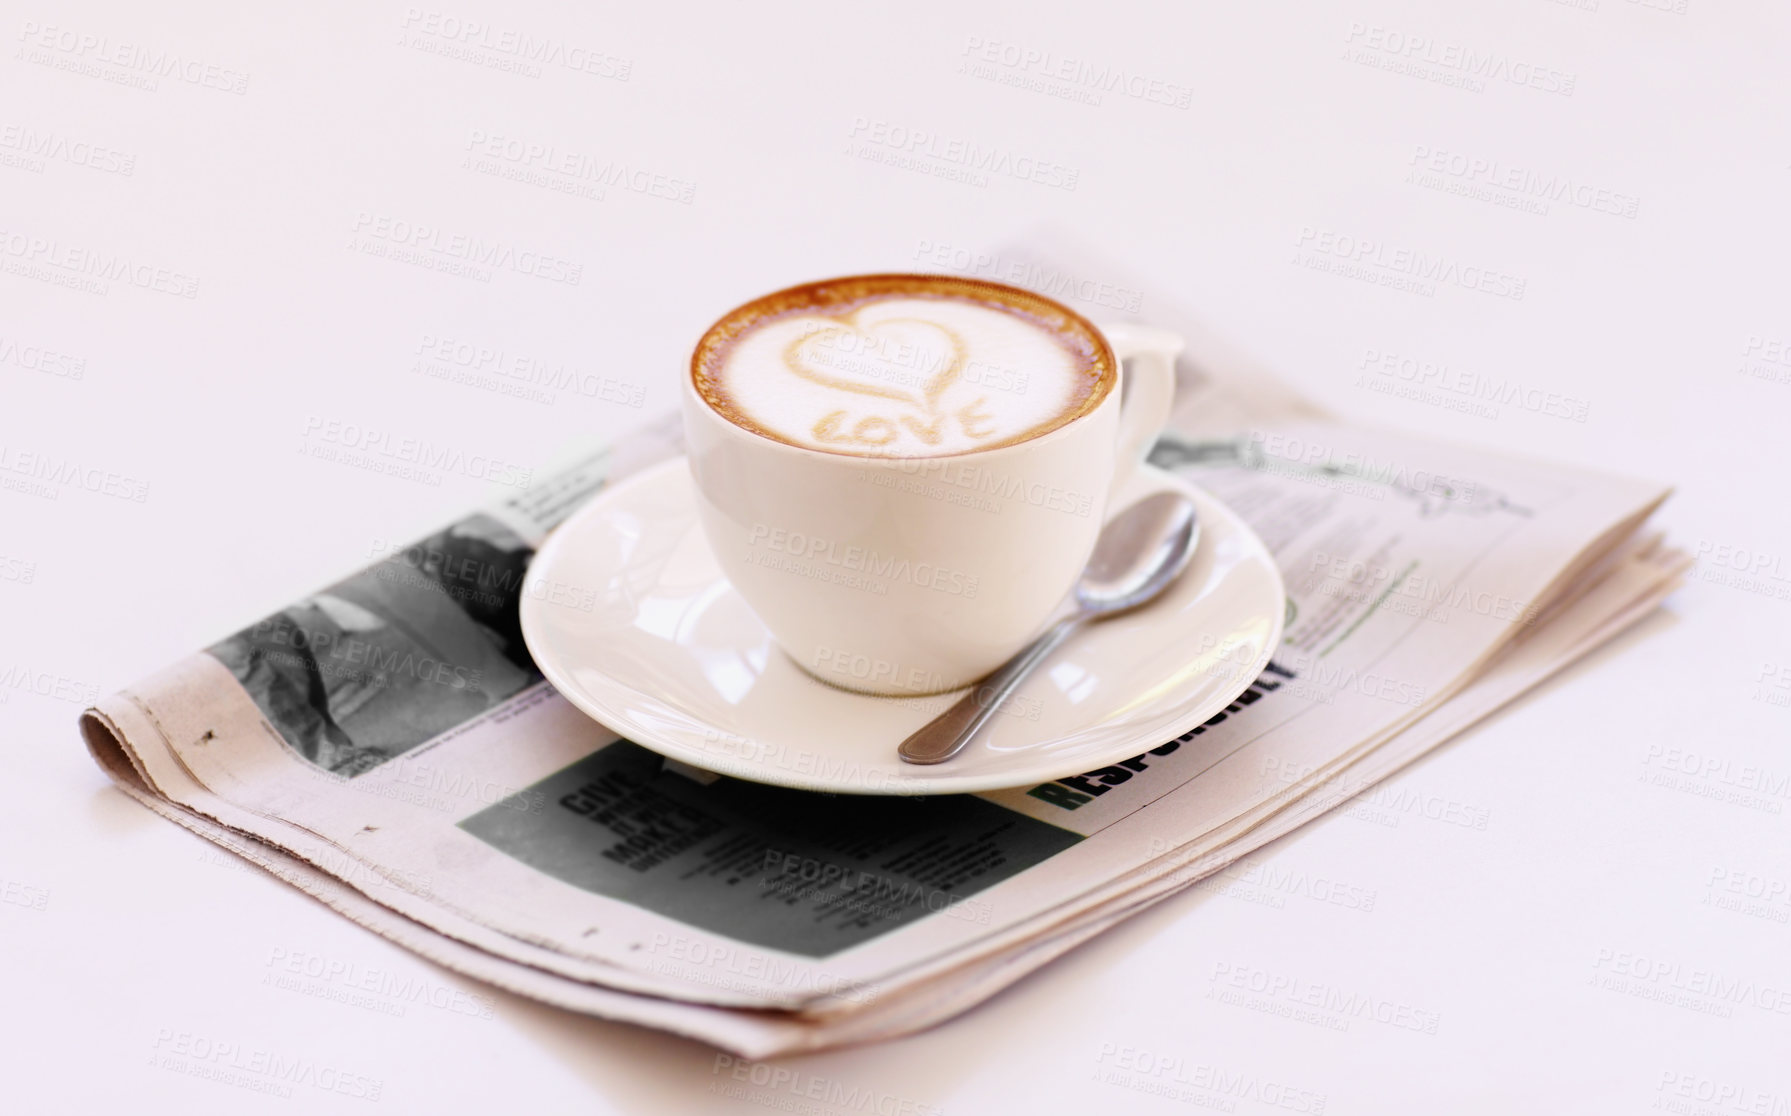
388, 746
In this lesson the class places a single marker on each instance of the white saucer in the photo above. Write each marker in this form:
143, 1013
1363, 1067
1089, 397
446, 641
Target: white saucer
670, 657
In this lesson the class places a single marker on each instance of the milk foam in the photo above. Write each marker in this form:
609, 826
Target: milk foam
904, 374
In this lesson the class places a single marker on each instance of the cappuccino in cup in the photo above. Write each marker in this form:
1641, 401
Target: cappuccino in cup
903, 366
903, 475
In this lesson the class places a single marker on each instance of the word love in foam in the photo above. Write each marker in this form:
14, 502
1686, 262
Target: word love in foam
909, 362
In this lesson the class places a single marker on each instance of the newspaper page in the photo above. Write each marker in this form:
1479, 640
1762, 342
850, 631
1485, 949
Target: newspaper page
397, 716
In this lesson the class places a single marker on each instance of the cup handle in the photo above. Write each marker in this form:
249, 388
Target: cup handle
1148, 389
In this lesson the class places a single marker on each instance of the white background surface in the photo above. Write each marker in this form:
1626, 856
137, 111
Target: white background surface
1602, 843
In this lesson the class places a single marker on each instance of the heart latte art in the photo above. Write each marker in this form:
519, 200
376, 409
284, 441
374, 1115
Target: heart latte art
902, 366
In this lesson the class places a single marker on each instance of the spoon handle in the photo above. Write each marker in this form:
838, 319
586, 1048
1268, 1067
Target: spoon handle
945, 735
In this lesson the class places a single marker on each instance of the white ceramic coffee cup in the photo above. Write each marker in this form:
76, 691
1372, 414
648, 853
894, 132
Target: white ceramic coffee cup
907, 576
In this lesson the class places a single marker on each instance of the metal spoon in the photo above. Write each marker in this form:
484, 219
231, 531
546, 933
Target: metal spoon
1138, 555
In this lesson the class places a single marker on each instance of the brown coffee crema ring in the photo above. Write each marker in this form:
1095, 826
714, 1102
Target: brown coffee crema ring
836, 297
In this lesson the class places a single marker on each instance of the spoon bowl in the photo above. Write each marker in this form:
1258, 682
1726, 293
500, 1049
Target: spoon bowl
1138, 554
